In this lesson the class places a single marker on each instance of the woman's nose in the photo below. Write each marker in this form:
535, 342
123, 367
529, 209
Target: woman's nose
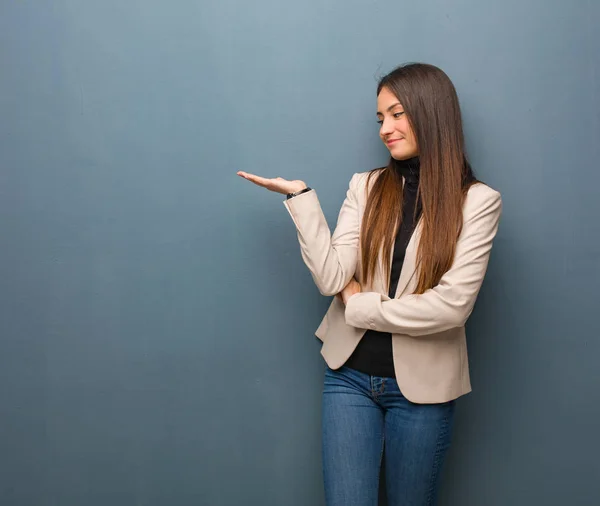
386, 128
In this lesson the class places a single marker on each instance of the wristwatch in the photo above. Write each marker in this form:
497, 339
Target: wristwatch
295, 194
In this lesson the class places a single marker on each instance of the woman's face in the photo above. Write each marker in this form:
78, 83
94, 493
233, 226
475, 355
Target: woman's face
395, 131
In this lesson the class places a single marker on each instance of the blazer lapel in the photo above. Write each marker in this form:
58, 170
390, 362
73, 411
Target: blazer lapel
381, 279
409, 267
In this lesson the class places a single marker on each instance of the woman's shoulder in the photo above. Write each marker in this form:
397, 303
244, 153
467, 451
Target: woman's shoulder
361, 179
482, 190
362, 176
482, 195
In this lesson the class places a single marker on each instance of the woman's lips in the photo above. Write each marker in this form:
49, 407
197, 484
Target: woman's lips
392, 141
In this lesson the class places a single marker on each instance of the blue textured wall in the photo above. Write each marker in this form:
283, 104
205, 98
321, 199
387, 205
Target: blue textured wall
156, 319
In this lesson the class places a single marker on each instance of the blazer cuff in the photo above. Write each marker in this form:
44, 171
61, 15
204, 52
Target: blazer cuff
360, 306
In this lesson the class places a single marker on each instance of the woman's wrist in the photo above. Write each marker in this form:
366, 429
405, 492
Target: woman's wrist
298, 192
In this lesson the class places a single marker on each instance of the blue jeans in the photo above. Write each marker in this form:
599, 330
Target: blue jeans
361, 415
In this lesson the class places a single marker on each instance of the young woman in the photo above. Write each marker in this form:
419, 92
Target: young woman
406, 262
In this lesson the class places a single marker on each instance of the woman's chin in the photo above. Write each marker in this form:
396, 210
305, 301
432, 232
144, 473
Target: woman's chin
402, 155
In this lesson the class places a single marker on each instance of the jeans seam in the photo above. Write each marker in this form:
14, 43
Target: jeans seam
436, 462
376, 393
381, 452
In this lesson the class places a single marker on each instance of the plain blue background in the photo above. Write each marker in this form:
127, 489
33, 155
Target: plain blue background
156, 319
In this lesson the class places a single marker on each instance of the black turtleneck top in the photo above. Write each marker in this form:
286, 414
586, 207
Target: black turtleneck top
373, 355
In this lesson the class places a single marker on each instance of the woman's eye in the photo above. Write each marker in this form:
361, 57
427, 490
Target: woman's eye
396, 115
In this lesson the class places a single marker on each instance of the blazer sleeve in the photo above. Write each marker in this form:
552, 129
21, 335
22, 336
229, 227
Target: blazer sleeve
451, 302
331, 260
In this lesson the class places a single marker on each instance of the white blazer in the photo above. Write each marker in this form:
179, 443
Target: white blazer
428, 330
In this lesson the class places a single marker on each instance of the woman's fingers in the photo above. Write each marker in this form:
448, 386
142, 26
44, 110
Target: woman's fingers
277, 184
261, 181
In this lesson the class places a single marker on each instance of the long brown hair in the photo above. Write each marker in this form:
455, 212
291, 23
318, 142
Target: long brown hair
431, 105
